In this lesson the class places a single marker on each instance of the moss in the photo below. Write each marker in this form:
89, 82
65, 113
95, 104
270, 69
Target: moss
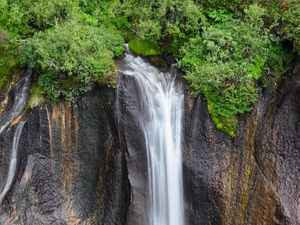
8, 66
69, 83
36, 96
143, 47
109, 80
226, 124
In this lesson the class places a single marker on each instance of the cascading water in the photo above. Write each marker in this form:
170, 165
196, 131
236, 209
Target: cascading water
13, 161
162, 109
19, 102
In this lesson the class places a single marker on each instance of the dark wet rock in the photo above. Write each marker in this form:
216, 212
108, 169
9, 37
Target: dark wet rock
132, 139
79, 164
252, 179
71, 168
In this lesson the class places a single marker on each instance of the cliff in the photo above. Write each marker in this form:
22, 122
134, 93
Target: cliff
86, 163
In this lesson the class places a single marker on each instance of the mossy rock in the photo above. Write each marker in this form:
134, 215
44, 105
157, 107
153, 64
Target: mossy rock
143, 47
36, 96
227, 125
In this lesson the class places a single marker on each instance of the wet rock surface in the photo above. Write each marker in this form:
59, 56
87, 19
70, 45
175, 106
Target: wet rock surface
71, 170
133, 142
254, 178
81, 165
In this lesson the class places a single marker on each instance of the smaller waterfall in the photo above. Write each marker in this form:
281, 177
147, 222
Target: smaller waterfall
161, 115
13, 161
20, 100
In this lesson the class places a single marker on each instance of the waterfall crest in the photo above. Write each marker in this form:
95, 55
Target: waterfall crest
162, 108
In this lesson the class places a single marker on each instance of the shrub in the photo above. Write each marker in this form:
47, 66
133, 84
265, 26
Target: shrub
291, 18
71, 56
225, 62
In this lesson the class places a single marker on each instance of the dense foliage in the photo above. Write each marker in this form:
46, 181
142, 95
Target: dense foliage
231, 54
68, 49
71, 56
291, 19
228, 50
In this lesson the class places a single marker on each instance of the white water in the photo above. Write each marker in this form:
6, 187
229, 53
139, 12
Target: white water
162, 103
19, 102
13, 161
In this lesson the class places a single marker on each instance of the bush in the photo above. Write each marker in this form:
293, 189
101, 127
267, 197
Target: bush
27, 16
225, 62
71, 56
9, 57
291, 18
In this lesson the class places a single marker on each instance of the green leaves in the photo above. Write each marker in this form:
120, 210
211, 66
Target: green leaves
291, 18
223, 47
225, 61
79, 54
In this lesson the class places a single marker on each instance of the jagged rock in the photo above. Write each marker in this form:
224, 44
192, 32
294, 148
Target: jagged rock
71, 168
81, 165
252, 179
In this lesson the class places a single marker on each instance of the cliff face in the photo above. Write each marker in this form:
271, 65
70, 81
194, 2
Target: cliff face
253, 179
250, 180
71, 170
87, 163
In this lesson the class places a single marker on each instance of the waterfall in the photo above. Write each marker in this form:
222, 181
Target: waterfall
13, 161
21, 95
20, 100
162, 109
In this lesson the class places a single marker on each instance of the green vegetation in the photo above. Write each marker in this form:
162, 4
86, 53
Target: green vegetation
291, 19
36, 96
68, 48
228, 50
9, 60
71, 56
225, 62
143, 47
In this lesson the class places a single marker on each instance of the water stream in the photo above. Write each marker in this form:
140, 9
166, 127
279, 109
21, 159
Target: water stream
12, 170
19, 101
162, 109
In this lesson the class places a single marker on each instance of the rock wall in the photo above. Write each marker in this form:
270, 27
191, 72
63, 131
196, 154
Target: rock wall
253, 179
71, 168
79, 164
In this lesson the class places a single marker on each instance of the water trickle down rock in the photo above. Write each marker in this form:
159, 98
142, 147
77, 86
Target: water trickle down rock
20, 97
71, 168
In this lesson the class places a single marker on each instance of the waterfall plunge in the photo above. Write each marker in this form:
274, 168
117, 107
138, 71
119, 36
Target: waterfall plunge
162, 109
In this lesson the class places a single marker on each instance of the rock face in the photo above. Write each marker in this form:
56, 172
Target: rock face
81, 165
133, 142
71, 170
253, 179
250, 180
